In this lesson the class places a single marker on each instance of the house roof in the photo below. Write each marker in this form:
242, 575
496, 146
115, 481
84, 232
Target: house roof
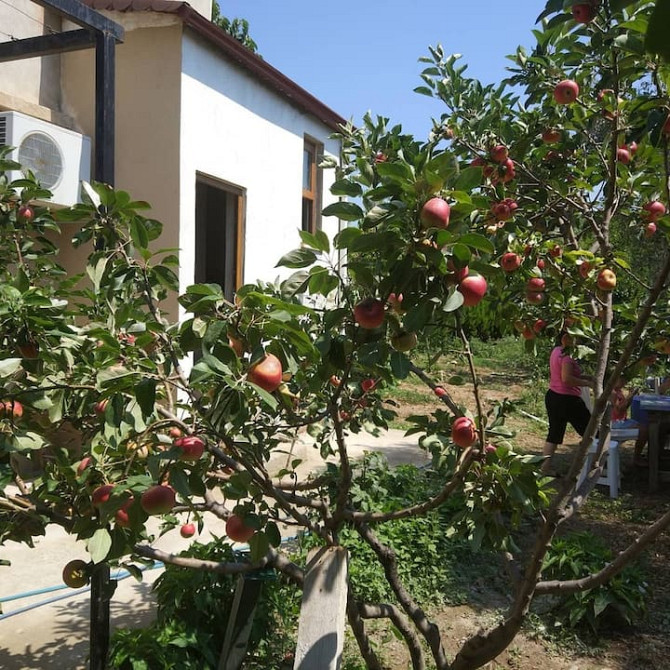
233, 50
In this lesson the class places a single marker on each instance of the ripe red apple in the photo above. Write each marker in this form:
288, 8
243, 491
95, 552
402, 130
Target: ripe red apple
175, 433
121, 517
463, 431
534, 297
75, 574
508, 171
632, 147
435, 213
236, 345
583, 12
237, 530
101, 495
100, 406
380, 157
566, 92
510, 261
266, 373
11, 408
25, 213
539, 325
473, 289
478, 161
540, 263
584, 269
551, 135
404, 341
528, 333
187, 530
501, 211
655, 209
158, 499
335, 381
536, 284
83, 464
369, 313
368, 384
456, 274
192, 447
440, 392
555, 251
499, 153
650, 229
488, 171
623, 155
606, 280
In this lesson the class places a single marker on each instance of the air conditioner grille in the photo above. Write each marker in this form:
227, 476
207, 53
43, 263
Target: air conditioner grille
40, 154
3, 131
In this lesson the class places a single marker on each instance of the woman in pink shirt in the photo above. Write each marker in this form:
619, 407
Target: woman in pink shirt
563, 400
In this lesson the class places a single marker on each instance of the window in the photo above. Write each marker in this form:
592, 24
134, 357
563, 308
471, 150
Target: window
219, 234
311, 186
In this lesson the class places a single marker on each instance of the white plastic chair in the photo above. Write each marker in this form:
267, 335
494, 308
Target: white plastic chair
610, 475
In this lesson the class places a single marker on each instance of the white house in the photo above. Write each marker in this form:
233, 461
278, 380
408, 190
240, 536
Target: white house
223, 145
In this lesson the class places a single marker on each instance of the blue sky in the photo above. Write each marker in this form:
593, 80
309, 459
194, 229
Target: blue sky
363, 55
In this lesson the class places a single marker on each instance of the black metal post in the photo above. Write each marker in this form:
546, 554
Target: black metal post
102, 588
104, 107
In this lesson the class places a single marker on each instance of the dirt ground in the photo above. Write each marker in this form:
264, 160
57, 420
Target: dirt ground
645, 646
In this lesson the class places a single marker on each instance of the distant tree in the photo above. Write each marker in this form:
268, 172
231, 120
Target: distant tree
238, 28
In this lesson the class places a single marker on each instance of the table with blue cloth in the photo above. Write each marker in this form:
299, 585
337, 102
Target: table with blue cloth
654, 411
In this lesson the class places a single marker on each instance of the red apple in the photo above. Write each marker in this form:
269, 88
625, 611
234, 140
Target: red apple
655, 209
584, 269
440, 392
380, 157
25, 213
187, 530
368, 384
11, 408
266, 373
501, 211
100, 406
435, 213
369, 313
404, 341
456, 274
175, 433
539, 325
540, 263
192, 447
528, 333
237, 530
632, 147
510, 261
158, 499
236, 345
566, 92
508, 171
535, 284
122, 518
478, 162
83, 464
551, 136
534, 297
101, 495
473, 289
650, 229
555, 251
583, 12
623, 155
463, 431
335, 381
499, 153
606, 280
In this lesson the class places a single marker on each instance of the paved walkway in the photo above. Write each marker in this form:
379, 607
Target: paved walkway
54, 636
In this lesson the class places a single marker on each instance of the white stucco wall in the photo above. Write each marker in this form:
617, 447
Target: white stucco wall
236, 130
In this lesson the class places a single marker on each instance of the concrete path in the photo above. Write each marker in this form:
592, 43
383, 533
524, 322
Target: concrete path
54, 636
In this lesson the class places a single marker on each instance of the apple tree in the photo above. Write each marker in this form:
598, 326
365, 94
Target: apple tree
514, 202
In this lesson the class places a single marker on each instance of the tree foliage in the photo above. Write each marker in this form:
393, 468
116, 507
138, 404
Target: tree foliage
97, 368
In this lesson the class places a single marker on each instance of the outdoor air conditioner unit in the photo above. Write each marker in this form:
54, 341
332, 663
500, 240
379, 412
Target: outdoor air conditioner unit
59, 158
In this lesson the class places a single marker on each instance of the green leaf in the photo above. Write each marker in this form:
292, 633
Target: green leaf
28, 441
145, 394
99, 545
478, 242
8, 366
468, 179
453, 302
400, 365
298, 258
259, 546
138, 233
657, 41
347, 211
346, 237
319, 241
424, 90
346, 187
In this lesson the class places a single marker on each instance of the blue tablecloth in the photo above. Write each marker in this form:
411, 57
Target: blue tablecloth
643, 402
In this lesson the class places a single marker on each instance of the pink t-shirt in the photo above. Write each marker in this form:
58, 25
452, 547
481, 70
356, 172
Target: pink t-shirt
556, 361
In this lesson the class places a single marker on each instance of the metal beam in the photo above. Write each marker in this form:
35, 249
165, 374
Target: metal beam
84, 16
46, 45
105, 70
